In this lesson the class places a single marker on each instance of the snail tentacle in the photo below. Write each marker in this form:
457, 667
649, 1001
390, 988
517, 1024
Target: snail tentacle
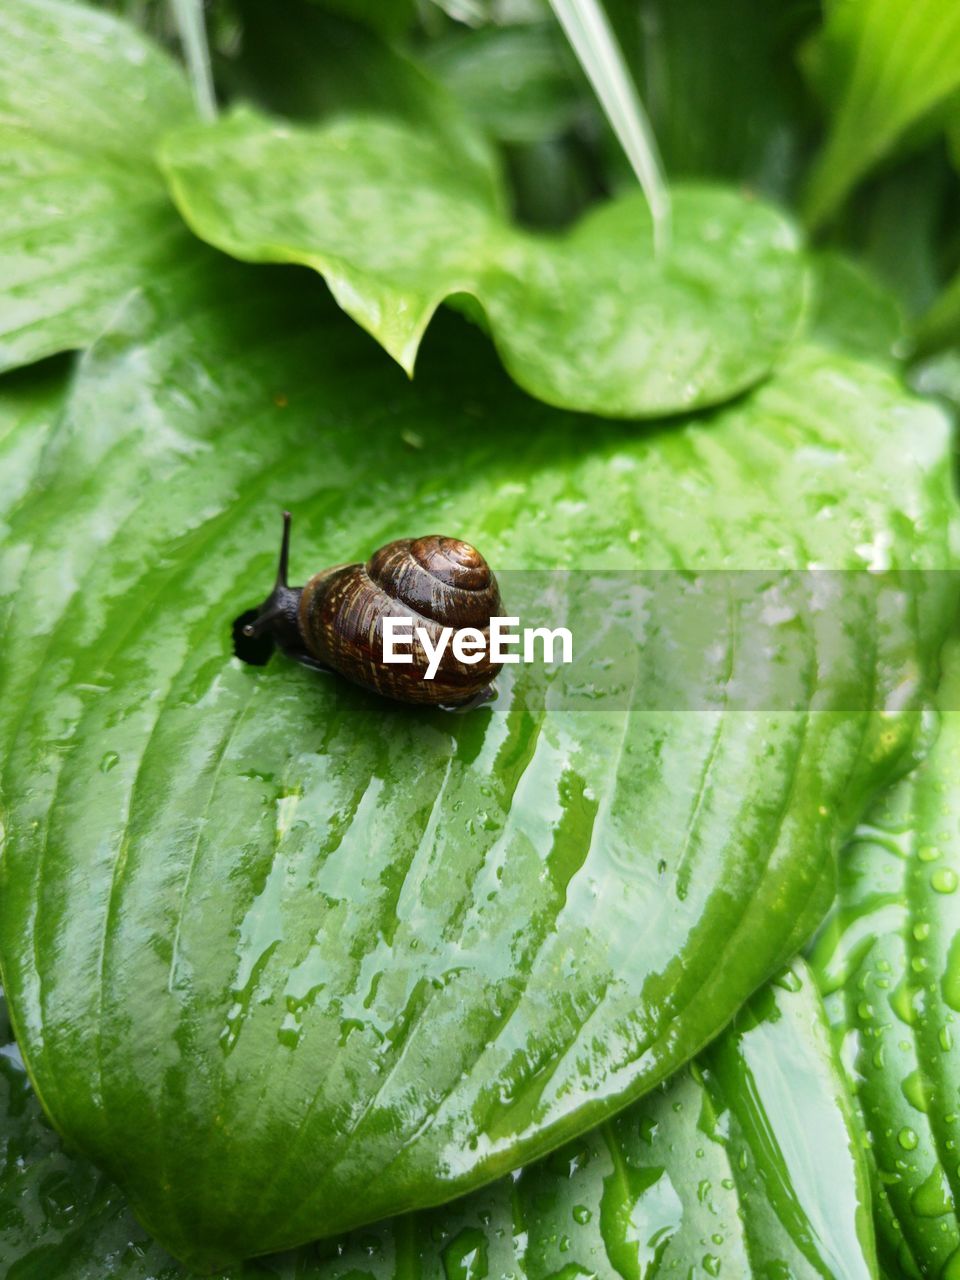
335, 622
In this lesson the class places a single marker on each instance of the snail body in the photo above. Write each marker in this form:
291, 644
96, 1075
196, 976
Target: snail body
336, 621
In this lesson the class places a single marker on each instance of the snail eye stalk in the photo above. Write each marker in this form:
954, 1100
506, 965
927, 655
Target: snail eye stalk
257, 632
328, 624
284, 552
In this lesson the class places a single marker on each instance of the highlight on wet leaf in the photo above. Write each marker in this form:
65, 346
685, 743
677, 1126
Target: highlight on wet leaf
890, 960
679, 1180
301, 980
84, 98
348, 904
592, 319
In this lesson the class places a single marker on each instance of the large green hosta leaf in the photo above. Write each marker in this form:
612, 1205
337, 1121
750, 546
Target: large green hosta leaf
83, 99
743, 1165
591, 320
891, 956
284, 958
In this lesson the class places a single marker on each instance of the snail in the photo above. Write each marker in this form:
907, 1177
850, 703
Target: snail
336, 622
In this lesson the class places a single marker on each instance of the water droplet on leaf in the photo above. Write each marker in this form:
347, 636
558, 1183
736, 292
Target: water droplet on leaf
944, 880
907, 1139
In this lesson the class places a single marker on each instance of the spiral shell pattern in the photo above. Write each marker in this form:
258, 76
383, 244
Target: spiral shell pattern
434, 581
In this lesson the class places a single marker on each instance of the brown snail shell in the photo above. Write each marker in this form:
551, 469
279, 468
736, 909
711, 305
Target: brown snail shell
336, 620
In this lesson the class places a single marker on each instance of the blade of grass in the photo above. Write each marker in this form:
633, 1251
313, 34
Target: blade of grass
595, 45
188, 16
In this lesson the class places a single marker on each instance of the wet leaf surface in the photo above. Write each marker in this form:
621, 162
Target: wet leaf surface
592, 320
262, 932
83, 99
890, 958
743, 1164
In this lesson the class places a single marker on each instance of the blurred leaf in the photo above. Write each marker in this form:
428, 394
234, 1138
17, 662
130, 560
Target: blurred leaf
854, 311
598, 51
940, 327
719, 80
895, 224
891, 958
745, 1165
284, 957
591, 321
192, 35
83, 99
939, 375
520, 84
881, 66
551, 182
478, 13
318, 65
390, 17
315, 64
